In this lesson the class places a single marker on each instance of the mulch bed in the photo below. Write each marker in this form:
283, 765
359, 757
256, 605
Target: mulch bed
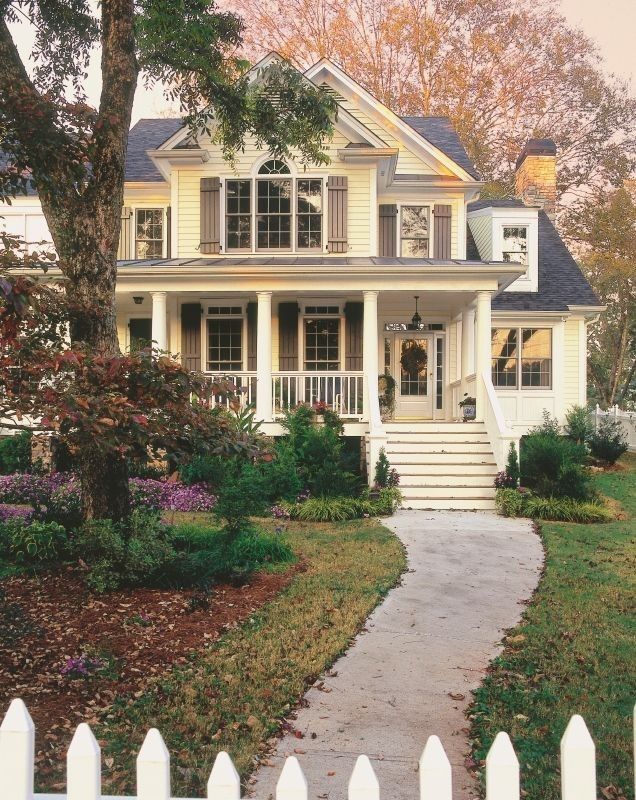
136, 634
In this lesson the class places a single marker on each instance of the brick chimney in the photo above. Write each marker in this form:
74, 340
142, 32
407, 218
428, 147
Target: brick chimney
535, 175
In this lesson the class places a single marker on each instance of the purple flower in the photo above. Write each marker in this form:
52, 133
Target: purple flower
9, 512
81, 667
304, 495
278, 512
504, 481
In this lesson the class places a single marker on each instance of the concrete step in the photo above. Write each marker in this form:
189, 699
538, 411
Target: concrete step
448, 492
433, 427
447, 479
455, 459
445, 468
456, 437
465, 448
450, 504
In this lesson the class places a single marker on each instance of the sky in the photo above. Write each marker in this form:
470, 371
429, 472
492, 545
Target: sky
611, 23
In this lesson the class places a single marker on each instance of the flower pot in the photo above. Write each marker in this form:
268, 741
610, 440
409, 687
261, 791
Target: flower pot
469, 412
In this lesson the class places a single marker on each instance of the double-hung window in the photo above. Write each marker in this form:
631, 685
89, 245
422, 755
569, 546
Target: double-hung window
414, 231
285, 213
515, 244
149, 233
522, 357
322, 338
224, 339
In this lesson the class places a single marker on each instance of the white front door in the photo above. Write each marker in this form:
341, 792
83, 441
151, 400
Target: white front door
414, 383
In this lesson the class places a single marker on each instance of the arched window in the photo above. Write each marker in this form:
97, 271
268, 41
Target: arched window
274, 167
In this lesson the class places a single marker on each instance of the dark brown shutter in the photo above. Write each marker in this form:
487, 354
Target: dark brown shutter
252, 317
191, 336
168, 232
337, 186
388, 230
354, 313
288, 336
125, 234
442, 231
210, 192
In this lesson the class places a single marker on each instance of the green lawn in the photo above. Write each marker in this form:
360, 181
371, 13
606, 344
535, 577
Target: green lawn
234, 695
578, 655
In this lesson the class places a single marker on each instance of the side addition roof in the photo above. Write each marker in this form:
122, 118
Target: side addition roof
561, 282
439, 131
148, 134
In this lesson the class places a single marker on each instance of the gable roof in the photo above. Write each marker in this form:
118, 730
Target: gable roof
148, 134
439, 131
561, 282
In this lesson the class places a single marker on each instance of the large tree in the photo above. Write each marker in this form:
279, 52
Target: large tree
502, 70
605, 228
74, 155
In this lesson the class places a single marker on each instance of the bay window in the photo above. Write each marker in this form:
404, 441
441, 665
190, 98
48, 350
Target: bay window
521, 357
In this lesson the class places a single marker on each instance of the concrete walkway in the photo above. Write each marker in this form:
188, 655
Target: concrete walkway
410, 673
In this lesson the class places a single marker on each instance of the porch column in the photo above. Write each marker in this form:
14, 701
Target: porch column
468, 343
264, 357
482, 349
159, 320
370, 367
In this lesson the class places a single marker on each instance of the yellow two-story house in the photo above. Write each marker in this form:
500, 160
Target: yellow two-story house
306, 285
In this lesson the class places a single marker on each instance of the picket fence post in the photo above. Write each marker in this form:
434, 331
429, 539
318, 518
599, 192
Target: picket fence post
17, 753
153, 768
83, 766
363, 783
224, 782
578, 762
292, 784
436, 780
502, 770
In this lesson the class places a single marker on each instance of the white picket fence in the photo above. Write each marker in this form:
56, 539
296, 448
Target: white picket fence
83, 768
626, 419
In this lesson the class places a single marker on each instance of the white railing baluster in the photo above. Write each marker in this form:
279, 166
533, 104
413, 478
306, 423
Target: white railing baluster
224, 782
83, 766
363, 783
17, 753
436, 780
292, 784
153, 768
502, 770
578, 762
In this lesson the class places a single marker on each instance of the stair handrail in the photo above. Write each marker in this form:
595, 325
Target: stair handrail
499, 433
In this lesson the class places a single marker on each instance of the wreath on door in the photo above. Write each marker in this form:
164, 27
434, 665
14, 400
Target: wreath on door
414, 358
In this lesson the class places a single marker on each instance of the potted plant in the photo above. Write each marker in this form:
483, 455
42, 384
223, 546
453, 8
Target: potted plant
319, 409
468, 407
386, 392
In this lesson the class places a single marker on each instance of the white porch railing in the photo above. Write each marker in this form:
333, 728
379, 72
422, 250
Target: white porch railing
343, 392
84, 780
626, 419
499, 433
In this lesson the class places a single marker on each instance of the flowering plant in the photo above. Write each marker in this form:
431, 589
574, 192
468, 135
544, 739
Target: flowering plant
320, 406
505, 481
9, 512
278, 512
81, 667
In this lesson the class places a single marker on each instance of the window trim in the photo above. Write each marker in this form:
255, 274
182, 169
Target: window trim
431, 243
503, 243
164, 222
519, 358
222, 301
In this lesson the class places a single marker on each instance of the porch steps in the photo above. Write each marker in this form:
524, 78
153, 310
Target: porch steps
443, 465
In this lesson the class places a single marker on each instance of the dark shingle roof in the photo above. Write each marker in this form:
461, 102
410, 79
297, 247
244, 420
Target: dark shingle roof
561, 282
439, 131
147, 134
496, 202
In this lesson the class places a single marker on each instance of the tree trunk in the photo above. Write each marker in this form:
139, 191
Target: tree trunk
104, 484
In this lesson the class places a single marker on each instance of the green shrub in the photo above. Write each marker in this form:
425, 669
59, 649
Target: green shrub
338, 509
512, 465
510, 502
578, 425
552, 466
203, 469
514, 503
608, 442
15, 453
34, 543
280, 477
241, 495
564, 509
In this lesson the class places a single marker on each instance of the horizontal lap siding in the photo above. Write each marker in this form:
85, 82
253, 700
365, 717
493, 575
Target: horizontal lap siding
571, 366
359, 190
481, 229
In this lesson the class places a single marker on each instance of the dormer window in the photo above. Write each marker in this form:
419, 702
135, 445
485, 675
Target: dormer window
414, 231
515, 244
